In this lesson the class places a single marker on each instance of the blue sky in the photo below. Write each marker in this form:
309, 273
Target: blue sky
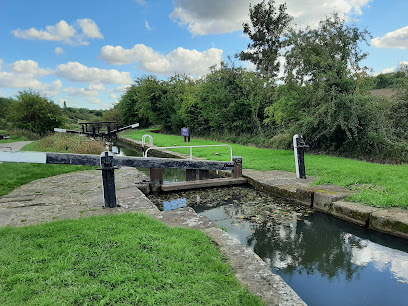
87, 52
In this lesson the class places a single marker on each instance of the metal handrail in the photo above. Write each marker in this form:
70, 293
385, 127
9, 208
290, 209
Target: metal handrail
191, 148
144, 139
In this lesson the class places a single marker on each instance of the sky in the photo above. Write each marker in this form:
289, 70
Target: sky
88, 52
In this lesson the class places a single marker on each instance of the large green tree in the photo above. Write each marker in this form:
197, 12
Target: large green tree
267, 31
329, 54
35, 113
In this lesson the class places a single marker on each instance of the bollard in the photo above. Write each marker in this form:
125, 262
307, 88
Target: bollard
237, 166
300, 148
108, 179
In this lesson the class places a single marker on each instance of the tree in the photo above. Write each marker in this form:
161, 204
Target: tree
267, 32
329, 54
35, 113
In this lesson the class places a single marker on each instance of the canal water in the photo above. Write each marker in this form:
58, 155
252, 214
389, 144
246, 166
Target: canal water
327, 261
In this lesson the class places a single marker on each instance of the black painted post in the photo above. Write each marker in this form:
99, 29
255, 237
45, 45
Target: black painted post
237, 172
108, 179
109, 131
300, 148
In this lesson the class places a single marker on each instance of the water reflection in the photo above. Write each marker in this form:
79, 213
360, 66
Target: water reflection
170, 205
301, 247
327, 261
383, 258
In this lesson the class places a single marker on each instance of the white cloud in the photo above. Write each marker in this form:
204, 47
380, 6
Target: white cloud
96, 86
120, 89
147, 25
29, 67
401, 66
26, 81
396, 39
221, 16
25, 74
94, 100
58, 51
63, 32
90, 28
78, 72
113, 96
179, 60
81, 92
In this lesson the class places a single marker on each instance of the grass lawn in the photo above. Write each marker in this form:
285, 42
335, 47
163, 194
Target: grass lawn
127, 259
13, 175
14, 139
378, 184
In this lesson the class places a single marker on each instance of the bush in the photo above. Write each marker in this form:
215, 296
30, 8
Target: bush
24, 133
35, 113
282, 141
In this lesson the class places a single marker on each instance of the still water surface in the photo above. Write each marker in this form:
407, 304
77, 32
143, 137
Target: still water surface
327, 261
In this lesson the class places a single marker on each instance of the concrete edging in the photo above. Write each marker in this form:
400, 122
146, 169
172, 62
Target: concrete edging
329, 199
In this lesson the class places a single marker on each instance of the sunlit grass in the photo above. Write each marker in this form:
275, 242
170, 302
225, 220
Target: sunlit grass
127, 259
13, 175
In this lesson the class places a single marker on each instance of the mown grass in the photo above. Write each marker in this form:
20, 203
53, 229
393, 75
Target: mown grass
13, 175
14, 139
18, 135
127, 259
379, 185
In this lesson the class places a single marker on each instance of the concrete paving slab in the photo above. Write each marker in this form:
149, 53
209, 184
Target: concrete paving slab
392, 221
353, 212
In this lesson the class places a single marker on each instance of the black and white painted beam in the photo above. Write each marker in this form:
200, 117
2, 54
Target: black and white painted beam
118, 161
133, 126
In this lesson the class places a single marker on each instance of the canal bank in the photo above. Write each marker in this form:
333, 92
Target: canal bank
325, 198
79, 195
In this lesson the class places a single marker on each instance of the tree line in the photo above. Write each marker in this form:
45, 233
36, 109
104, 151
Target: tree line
308, 81
34, 112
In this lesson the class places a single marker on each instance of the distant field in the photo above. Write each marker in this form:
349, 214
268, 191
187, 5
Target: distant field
384, 92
